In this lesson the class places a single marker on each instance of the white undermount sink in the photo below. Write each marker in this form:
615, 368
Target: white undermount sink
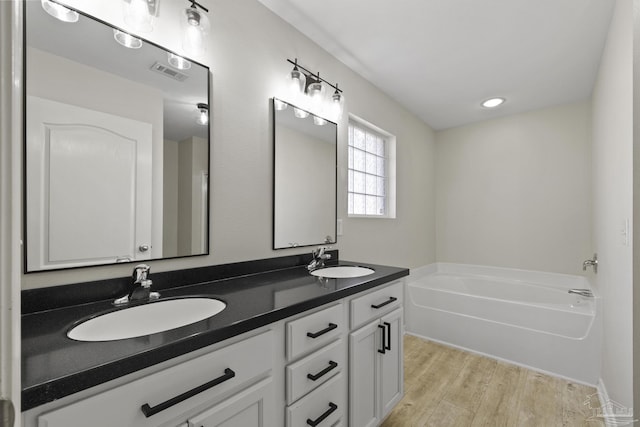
342, 272
146, 319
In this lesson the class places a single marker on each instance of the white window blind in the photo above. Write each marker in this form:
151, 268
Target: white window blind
368, 171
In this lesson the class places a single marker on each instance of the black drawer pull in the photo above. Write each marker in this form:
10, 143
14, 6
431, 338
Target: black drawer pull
332, 365
382, 304
388, 346
149, 411
384, 346
329, 328
321, 418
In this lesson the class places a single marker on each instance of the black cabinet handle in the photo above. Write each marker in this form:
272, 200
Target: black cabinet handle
321, 418
384, 346
329, 328
315, 377
149, 411
388, 346
382, 304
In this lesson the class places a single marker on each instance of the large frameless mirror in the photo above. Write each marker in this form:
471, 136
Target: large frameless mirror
116, 146
304, 189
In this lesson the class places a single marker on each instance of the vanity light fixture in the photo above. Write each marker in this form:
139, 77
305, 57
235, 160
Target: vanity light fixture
178, 61
60, 12
493, 102
126, 39
195, 26
203, 116
308, 90
139, 14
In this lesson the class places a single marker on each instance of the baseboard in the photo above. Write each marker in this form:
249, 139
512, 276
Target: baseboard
610, 418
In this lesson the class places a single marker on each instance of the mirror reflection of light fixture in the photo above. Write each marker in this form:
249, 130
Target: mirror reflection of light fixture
300, 113
127, 40
308, 90
178, 61
195, 26
279, 105
203, 116
138, 14
60, 12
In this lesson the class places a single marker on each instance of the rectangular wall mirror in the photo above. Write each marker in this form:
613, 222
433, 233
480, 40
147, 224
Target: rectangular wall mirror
304, 183
116, 147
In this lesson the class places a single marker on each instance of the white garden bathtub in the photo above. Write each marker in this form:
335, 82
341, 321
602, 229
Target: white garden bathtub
523, 317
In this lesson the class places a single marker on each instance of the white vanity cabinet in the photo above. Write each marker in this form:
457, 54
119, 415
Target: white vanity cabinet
375, 356
336, 365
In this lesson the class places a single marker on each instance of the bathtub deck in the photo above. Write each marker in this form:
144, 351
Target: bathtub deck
448, 387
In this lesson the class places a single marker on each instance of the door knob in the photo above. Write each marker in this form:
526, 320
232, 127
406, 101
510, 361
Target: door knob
7, 413
143, 248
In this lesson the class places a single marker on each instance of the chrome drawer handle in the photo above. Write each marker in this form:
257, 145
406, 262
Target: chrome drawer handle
329, 328
382, 304
321, 418
149, 411
315, 377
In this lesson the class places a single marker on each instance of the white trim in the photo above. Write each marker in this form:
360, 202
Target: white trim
10, 199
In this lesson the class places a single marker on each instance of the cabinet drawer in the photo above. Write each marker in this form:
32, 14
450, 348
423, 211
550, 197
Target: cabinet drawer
314, 370
375, 304
226, 370
314, 331
322, 407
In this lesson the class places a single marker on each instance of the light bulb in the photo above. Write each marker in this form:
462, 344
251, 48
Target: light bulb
178, 62
137, 15
195, 26
127, 40
60, 12
493, 102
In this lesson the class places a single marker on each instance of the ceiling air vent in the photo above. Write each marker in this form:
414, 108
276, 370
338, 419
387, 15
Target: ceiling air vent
169, 72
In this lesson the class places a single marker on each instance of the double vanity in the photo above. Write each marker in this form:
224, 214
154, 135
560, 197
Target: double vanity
286, 348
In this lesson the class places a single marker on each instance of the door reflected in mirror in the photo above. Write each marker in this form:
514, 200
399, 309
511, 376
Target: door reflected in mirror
116, 146
304, 201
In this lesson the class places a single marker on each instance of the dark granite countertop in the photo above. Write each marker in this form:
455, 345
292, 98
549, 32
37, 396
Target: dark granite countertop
54, 366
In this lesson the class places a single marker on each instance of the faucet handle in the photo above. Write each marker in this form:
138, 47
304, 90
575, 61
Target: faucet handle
140, 273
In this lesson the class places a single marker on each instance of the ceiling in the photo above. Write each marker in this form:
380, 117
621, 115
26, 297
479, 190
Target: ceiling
442, 58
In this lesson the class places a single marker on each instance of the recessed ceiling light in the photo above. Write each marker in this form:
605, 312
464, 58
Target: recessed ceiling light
60, 12
493, 102
127, 40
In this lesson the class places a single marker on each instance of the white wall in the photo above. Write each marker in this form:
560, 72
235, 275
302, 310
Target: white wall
636, 205
514, 191
247, 51
612, 201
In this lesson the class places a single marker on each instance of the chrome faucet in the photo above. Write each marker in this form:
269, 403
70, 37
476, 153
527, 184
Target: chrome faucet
582, 292
141, 289
318, 258
591, 263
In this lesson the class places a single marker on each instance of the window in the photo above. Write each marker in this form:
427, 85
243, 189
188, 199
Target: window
371, 169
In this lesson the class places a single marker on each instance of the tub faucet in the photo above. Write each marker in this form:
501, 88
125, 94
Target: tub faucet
318, 258
141, 289
593, 262
582, 292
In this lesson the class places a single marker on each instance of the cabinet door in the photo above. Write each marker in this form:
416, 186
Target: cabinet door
252, 407
363, 370
391, 363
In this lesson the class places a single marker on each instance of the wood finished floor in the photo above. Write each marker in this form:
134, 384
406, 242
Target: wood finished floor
448, 387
